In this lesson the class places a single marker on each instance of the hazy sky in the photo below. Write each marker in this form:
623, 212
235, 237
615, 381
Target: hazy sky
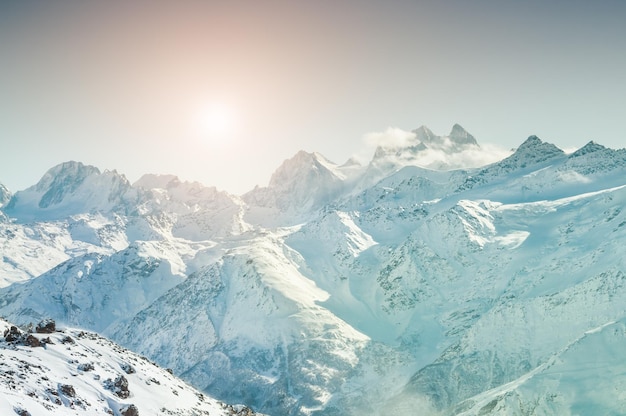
122, 84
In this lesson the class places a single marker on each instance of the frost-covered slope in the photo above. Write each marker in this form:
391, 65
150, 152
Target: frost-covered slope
585, 377
426, 291
72, 372
95, 289
30, 249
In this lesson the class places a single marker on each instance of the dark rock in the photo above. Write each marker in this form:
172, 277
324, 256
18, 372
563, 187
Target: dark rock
128, 369
130, 410
68, 340
86, 367
31, 341
119, 387
67, 390
12, 334
47, 326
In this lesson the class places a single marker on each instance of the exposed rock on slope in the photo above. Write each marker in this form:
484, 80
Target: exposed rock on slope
72, 372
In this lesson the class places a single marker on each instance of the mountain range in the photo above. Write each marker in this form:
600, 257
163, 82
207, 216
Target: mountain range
398, 287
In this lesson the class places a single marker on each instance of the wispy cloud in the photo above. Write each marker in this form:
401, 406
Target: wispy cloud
392, 137
441, 155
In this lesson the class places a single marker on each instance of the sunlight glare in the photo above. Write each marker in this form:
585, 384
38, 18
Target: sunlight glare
215, 122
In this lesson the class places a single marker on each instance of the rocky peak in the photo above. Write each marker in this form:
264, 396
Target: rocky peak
67, 189
590, 147
531, 141
531, 152
425, 135
61, 180
460, 136
303, 164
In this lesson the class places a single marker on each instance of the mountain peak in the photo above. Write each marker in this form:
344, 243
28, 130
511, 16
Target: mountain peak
459, 135
424, 134
61, 180
66, 189
533, 151
63, 171
531, 141
351, 163
590, 147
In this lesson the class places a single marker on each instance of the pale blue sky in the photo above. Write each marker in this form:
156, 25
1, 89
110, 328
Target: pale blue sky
118, 84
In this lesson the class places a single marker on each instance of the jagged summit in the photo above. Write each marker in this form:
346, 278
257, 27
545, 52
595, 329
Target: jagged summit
590, 147
301, 166
532, 140
424, 134
460, 136
534, 151
62, 180
428, 150
304, 182
69, 187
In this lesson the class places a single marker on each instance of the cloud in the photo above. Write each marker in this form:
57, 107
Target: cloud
392, 137
471, 157
441, 155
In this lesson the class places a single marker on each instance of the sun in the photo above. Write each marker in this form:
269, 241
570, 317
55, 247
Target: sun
215, 122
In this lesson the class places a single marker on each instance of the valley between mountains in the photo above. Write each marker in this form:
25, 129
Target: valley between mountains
398, 287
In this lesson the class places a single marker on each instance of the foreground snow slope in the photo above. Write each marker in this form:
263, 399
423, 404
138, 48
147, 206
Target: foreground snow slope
72, 372
332, 293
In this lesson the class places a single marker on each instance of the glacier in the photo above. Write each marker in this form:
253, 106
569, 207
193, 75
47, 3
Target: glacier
395, 287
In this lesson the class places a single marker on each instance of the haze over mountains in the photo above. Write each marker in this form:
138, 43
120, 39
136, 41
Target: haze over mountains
410, 284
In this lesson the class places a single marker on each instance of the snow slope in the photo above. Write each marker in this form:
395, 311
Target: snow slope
72, 372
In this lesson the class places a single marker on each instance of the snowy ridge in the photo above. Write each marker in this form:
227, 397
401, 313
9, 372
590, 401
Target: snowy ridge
72, 372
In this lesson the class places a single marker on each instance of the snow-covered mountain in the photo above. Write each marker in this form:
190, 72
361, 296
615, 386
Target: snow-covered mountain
391, 288
67, 189
425, 149
300, 186
53, 371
